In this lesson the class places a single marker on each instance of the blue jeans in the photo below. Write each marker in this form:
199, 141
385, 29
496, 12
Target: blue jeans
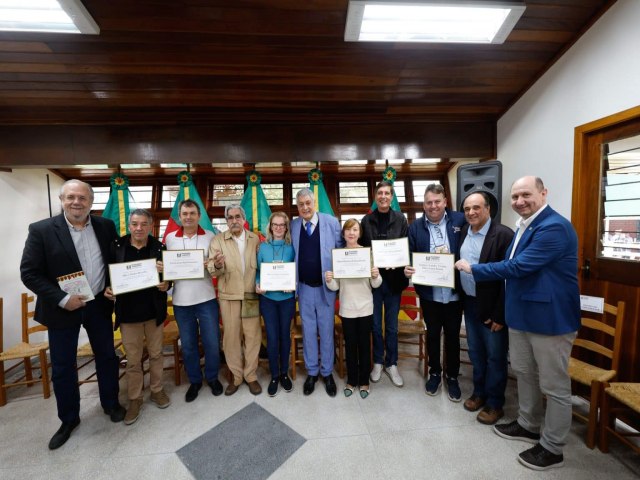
384, 295
203, 318
488, 354
277, 320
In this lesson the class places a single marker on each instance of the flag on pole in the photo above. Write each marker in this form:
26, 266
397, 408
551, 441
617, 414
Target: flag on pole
389, 175
117, 208
255, 205
187, 191
317, 187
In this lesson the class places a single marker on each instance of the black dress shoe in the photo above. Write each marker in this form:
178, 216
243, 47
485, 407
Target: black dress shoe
62, 435
216, 388
116, 413
310, 384
330, 385
192, 393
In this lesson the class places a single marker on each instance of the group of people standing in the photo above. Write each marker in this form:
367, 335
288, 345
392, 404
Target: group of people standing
526, 282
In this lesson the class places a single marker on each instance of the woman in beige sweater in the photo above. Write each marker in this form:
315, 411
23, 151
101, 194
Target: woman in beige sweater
356, 312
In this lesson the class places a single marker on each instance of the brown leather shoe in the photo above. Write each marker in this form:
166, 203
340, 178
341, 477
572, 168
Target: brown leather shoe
231, 389
489, 415
255, 388
473, 403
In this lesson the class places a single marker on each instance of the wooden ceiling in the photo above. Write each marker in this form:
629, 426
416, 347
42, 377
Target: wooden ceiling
247, 65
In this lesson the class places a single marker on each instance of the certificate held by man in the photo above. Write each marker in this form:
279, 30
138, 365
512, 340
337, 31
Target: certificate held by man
434, 269
351, 262
390, 253
278, 277
183, 264
131, 276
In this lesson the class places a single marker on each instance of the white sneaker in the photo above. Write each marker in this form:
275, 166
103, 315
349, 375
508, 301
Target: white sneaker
394, 375
376, 373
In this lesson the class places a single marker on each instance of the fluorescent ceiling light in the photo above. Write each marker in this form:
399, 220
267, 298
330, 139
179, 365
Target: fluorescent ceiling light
434, 21
52, 16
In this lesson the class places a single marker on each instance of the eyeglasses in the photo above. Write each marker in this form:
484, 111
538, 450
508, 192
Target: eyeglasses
278, 225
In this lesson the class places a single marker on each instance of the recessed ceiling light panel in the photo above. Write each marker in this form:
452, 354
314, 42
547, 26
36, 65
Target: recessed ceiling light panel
51, 16
431, 21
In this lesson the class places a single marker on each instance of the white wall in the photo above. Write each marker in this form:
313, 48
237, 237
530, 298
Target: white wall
23, 200
598, 76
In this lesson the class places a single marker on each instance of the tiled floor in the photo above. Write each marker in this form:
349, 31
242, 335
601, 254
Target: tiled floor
395, 433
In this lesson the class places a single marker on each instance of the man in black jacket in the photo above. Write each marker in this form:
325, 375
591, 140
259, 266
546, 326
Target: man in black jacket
485, 241
386, 224
140, 315
73, 242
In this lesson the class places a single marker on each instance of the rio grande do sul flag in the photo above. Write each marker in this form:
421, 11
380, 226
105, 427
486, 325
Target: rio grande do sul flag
187, 192
317, 187
255, 205
389, 175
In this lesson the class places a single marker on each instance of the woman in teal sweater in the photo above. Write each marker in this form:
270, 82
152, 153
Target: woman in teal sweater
277, 307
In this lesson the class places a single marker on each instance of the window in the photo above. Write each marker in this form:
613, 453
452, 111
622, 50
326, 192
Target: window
224, 195
163, 227
353, 192
620, 198
100, 197
220, 224
169, 195
140, 196
398, 188
419, 186
346, 216
274, 192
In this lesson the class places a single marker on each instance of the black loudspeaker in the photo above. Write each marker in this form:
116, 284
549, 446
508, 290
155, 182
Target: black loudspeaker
482, 177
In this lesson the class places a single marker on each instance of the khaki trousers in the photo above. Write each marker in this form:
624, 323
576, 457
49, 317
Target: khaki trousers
133, 339
237, 329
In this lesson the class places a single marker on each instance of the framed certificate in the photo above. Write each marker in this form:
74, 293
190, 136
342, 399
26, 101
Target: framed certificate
390, 253
351, 262
131, 276
278, 276
434, 269
183, 264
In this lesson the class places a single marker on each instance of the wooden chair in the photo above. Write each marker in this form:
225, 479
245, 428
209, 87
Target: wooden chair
601, 365
296, 342
619, 398
23, 352
171, 337
85, 352
411, 325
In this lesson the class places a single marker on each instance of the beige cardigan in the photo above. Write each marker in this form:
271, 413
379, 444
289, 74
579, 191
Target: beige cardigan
232, 283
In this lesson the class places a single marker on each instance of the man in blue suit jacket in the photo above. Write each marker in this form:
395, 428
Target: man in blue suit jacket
542, 306
314, 235
438, 231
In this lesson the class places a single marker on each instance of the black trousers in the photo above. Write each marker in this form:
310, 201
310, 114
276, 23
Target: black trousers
63, 344
357, 341
447, 318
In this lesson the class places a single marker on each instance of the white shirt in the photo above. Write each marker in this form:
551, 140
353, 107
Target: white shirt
197, 290
521, 225
240, 241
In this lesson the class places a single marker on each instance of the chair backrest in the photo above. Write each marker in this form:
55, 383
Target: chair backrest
1, 325
595, 335
410, 304
28, 313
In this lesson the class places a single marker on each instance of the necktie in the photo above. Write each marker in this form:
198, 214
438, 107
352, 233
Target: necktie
439, 239
308, 226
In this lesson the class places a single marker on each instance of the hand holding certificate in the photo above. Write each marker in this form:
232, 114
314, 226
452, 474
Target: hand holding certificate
351, 262
278, 276
390, 253
183, 264
434, 269
132, 276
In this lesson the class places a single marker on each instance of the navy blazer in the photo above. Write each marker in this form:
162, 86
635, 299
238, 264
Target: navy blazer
490, 295
49, 253
542, 294
330, 238
419, 241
